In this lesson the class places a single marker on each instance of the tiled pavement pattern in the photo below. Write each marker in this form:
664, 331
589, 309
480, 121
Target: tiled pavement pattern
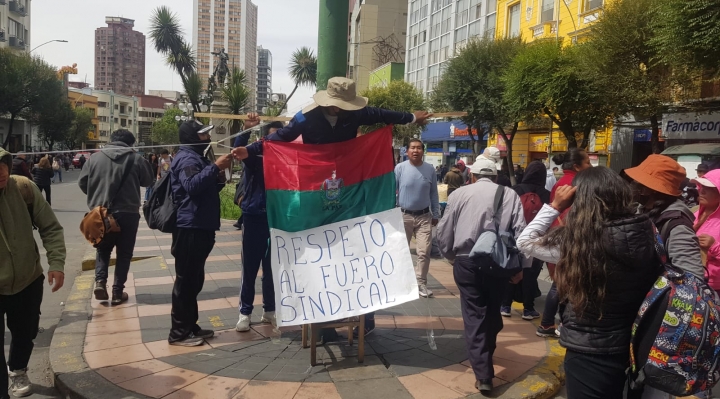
128, 345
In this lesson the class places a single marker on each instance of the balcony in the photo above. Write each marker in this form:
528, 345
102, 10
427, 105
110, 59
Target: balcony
3, 2
17, 43
17, 8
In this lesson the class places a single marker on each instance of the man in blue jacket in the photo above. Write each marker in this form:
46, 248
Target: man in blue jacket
196, 182
335, 116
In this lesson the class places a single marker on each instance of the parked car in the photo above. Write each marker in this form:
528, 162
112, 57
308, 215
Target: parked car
76, 159
691, 155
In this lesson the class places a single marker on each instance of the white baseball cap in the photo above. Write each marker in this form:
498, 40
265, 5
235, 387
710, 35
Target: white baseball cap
483, 167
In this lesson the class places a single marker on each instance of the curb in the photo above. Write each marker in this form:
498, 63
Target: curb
88, 261
72, 375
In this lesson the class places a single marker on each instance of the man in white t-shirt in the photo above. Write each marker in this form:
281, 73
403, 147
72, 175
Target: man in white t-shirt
164, 164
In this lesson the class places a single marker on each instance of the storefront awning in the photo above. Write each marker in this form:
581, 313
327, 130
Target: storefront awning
447, 131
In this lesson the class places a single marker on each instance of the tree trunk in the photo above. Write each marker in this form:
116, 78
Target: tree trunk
10, 131
586, 136
508, 145
473, 141
655, 137
567, 129
287, 100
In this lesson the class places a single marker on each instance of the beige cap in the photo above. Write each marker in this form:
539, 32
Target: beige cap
483, 167
340, 93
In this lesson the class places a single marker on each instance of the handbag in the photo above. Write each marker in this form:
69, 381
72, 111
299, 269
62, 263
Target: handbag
99, 222
495, 251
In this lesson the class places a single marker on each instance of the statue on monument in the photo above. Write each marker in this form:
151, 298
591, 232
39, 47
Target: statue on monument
221, 69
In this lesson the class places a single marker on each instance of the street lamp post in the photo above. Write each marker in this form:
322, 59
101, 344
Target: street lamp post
50, 41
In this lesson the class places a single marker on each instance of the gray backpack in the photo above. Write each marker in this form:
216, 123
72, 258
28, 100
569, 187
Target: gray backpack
495, 251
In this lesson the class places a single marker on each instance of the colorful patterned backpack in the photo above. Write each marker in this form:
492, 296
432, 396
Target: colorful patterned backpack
675, 337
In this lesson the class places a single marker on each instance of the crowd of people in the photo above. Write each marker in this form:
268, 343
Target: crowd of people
591, 227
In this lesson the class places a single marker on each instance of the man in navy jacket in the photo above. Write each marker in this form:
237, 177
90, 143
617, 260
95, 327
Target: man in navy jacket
335, 116
196, 182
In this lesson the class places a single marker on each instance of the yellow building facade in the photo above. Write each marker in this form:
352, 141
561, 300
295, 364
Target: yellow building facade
566, 20
79, 99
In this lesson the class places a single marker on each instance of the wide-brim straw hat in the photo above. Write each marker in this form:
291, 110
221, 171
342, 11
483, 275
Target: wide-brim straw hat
340, 93
659, 173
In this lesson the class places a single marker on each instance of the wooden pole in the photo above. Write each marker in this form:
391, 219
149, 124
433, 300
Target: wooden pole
287, 118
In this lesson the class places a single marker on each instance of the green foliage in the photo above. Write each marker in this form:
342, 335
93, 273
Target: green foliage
193, 86
28, 87
165, 130
687, 33
303, 70
400, 96
237, 95
54, 122
82, 124
546, 79
228, 208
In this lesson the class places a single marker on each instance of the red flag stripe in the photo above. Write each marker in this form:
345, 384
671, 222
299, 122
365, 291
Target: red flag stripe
305, 167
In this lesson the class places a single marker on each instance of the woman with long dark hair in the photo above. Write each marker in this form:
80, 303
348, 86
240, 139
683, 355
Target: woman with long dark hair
42, 176
154, 164
606, 264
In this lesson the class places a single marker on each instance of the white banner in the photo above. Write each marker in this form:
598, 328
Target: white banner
691, 126
342, 269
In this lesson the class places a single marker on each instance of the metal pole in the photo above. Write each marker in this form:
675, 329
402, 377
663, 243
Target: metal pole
332, 41
56, 40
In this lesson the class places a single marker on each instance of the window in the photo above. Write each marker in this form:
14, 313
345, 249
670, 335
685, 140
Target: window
15, 29
434, 51
474, 29
461, 13
593, 4
461, 36
548, 11
514, 20
490, 26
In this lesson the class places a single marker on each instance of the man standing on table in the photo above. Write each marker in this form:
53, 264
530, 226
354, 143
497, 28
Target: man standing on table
335, 116
418, 201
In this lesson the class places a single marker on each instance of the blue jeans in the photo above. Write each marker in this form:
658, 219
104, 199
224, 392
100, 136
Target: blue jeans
148, 192
58, 174
256, 235
124, 244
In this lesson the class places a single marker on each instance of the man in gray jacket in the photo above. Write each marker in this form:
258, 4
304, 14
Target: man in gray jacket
102, 180
469, 213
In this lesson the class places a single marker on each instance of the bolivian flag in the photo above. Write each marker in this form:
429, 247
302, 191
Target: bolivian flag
313, 185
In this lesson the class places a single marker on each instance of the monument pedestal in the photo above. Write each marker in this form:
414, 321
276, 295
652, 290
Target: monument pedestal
220, 106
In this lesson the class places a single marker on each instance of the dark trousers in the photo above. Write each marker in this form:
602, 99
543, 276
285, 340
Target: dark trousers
47, 192
124, 244
480, 298
529, 286
23, 319
595, 376
256, 235
551, 307
190, 247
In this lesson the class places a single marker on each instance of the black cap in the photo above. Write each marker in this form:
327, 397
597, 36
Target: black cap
189, 131
702, 168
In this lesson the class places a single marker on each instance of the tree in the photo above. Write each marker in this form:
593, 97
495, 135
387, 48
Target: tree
26, 85
55, 122
236, 94
473, 82
166, 129
303, 70
687, 32
547, 79
400, 96
81, 125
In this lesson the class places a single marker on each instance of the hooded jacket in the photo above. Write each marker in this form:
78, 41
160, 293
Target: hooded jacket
681, 243
534, 182
632, 267
19, 256
20, 167
454, 179
711, 227
101, 176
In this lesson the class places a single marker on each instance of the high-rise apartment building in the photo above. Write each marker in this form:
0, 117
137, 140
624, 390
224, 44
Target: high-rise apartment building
120, 57
264, 77
377, 36
228, 24
15, 24
439, 28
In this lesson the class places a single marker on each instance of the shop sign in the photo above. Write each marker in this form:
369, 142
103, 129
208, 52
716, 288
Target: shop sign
454, 131
692, 126
642, 135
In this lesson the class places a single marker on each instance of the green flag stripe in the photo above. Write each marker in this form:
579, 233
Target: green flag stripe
301, 210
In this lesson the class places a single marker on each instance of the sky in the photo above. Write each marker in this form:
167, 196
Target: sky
283, 26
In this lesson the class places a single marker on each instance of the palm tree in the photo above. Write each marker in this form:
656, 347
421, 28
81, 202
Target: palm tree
303, 70
236, 94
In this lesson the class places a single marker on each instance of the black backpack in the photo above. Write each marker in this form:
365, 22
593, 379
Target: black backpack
160, 209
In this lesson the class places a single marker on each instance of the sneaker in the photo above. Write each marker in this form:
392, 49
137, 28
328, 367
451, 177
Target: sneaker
268, 317
530, 315
19, 383
119, 297
100, 291
547, 332
204, 334
424, 291
484, 386
190, 340
243, 323
237, 225
505, 311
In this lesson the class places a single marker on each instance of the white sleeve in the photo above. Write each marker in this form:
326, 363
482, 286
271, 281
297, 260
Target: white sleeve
529, 240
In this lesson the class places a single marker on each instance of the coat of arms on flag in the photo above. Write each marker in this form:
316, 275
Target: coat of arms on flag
338, 245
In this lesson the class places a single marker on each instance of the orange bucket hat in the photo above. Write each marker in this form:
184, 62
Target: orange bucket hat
660, 173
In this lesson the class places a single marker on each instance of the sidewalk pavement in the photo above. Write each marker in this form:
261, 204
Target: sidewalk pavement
122, 352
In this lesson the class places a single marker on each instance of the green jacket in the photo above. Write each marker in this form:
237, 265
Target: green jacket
19, 256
